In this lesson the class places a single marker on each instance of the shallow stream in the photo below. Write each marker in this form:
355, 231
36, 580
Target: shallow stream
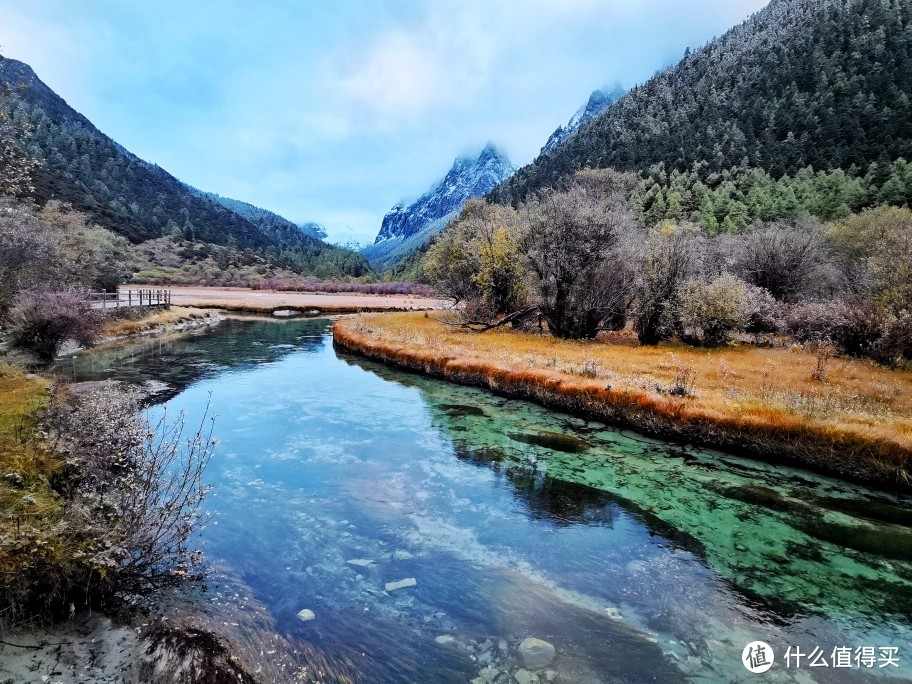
639, 560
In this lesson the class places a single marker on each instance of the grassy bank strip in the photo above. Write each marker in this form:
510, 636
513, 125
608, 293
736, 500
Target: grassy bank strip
855, 424
31, 510
155, 320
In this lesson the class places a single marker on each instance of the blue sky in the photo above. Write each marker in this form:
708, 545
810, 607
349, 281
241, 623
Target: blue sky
333, 111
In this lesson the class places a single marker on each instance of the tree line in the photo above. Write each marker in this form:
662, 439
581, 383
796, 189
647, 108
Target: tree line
579, 258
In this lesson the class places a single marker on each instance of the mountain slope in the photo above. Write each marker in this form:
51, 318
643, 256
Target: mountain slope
405, 228
84, 167
824, 83
598, 102
263, 218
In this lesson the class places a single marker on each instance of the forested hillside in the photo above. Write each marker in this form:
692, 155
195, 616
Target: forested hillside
802, 83
85, 168
265, 219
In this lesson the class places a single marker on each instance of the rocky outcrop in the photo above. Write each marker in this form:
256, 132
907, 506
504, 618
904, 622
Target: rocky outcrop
598, 102
407, 226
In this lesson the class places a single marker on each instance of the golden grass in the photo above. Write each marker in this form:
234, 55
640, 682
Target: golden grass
29, 509
157, 318
856, 423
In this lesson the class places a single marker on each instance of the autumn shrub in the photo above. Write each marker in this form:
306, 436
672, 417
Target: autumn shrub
42, 320
895, 345
477, 263
670, 261
710, 312
816, 320
764, 313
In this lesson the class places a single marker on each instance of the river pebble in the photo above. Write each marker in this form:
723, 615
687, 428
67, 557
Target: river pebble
401, 584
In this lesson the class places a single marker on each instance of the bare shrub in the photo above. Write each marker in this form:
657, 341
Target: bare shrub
816, 320
764, 313
56, 248
685, 376
41, 321
860, 328
133, 488
670, 260
784, 258
577, 243
767, 384
29, 256
895, 345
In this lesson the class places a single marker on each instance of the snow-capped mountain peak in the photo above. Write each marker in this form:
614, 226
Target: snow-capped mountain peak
598, 102
468, 177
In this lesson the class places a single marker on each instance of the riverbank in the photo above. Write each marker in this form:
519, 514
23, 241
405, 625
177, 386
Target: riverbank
854, 423
155, 321
46, 536
246, 300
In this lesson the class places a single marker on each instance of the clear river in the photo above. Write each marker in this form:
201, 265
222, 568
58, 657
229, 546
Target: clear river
637, 559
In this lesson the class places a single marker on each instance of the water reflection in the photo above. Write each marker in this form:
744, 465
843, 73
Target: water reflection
167, 364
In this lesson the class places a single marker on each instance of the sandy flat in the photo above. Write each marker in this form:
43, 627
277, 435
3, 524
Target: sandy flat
267, 299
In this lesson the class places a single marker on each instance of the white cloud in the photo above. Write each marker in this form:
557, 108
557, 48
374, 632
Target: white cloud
396, 76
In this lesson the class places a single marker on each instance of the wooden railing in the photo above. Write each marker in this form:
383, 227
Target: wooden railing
130, 298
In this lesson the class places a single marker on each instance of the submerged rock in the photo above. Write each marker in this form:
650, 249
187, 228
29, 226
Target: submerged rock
536, 653
401, 584
556, 441
306, 615
401, 555
445, 639
489, 674
360, 562
524, 677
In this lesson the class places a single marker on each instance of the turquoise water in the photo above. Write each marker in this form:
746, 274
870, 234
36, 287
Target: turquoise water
637, 559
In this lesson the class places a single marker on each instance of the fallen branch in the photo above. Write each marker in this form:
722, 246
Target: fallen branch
482, 326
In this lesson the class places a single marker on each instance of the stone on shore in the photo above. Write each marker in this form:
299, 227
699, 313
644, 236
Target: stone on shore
401, 584
535, 653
